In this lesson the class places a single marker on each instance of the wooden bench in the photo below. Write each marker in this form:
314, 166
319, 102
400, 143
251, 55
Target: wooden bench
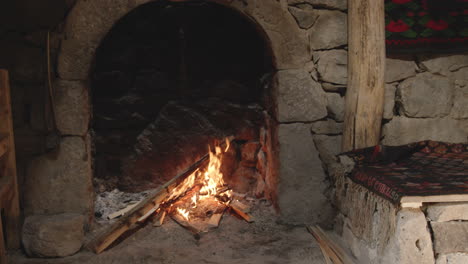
9, 200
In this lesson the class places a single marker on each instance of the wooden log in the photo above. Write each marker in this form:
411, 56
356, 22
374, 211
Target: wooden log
122, 211
11, 205
239, 211
366, 67
158, 219
153, 200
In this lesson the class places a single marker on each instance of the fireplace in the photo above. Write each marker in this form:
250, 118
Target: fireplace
145, 91
167, 82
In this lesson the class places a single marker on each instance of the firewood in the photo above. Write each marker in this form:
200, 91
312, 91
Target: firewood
153, 200
238, 210
122, 211
244, 207
158, 219
330, 249
214, 220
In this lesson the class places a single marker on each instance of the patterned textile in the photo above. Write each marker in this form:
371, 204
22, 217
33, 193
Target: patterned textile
419, 169
426, 25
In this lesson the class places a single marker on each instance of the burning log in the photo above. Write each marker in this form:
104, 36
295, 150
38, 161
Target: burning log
169, 193
122, 212
154, 200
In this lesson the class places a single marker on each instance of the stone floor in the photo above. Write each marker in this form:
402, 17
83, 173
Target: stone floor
235, 241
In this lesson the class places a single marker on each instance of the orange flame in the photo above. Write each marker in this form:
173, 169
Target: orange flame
211, 181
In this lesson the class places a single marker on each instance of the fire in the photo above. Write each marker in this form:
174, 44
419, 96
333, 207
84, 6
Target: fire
211, 181
183, 213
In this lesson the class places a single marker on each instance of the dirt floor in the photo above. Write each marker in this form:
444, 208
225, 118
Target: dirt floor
235, 241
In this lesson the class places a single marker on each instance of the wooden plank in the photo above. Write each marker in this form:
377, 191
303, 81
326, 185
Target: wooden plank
122, 211
3, 253
3, 144
364, 99
435, 198
11, 206
238, 210
153, 200
332, 249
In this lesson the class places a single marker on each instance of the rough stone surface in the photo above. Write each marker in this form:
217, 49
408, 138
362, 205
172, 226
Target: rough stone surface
332, 66
426, 95
338, 4
288, 41
455, 258
389, 103
460, 100
329, 31
305, 18
84, 30
450, 237
411, 242
402, 130
302, 179
443, 212
328, 127
335, 106
299, 97
328, 147
398, 69
72, 107
249, 151
53, 235
60, 181
444, 64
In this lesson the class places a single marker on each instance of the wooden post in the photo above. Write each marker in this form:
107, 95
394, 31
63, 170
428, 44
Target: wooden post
9, 202
366, 66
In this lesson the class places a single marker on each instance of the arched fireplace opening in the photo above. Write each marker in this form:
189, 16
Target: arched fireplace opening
168, 80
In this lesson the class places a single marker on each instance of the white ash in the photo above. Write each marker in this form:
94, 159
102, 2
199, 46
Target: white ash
113, 201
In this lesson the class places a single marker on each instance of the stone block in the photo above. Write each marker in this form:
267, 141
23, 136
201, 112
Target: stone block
389, 102
450, 237
330, 4
328, 147
85, 27
426, 95
329, 31
411, 242
72, 107
335, 106
61, 181
403, 130
332, 66
454, 258
327, 127
300, 99
304, 18
443, 212
53, 235
443, 64
399, 69
301, 179
460, 100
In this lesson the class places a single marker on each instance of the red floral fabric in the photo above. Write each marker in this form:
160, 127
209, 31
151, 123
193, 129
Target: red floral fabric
426, 25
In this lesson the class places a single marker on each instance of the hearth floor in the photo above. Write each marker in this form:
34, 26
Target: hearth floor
235, 241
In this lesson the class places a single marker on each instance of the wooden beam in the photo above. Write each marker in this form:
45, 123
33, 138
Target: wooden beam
11, 206
434, 199
366, 66
4, 140
3, 253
